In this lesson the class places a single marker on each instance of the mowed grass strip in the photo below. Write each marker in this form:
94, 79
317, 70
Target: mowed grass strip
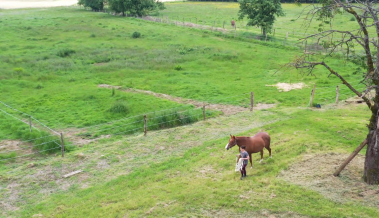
202, 180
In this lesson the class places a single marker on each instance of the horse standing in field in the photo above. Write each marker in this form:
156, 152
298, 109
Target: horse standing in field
253, 144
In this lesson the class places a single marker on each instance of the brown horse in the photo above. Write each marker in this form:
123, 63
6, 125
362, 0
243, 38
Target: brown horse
253, 144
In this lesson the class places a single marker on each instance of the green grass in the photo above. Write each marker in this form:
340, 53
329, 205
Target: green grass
178, 184
53, 61
210, 13
62, 91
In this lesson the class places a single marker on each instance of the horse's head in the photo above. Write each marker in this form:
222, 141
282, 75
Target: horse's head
232, 142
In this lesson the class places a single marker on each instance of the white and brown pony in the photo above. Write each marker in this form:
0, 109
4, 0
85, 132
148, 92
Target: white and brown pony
253, 144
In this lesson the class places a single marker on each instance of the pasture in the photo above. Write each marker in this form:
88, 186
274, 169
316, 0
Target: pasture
59, 64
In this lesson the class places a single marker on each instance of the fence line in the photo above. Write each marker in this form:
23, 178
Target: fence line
197, 114
28, 154
28, 116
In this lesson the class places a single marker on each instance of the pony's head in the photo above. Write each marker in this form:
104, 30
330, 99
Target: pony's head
232, 142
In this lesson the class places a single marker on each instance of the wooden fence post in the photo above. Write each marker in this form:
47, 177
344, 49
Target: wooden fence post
251, 101
204, 112
313, 94
62, 145
30, 123
347, 161
145, 124
337, 94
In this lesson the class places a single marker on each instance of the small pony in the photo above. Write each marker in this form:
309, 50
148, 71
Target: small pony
253, 144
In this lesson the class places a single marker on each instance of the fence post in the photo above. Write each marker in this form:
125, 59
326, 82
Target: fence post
204, 112
337, 94
62, 145
313, 94
251, 101
30, 123
145, 124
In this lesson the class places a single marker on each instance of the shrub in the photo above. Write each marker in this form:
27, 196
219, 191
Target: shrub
136, 35
65, 52
39, 86
119, 108
92, 35
178, 67
352, 19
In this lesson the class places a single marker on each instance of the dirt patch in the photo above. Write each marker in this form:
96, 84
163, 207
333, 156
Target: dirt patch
73, 135
226, 109
315, 172
285, 87
7, 146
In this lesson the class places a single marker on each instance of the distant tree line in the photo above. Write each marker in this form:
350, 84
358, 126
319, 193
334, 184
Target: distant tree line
124, 7
282, 1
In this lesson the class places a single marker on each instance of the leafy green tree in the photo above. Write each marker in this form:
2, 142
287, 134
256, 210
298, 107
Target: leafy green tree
135, 7
260, 13
95, 5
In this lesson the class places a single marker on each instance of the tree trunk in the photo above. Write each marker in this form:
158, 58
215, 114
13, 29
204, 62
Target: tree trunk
371, 170
264, 32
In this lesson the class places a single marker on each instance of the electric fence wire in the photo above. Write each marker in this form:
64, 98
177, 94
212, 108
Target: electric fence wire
28, 147
18, 119
39, 138
173, 120
28, 154
101, 130
28, 116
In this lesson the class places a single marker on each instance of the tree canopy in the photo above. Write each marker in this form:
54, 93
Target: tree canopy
135, 7
260, 13
95, 5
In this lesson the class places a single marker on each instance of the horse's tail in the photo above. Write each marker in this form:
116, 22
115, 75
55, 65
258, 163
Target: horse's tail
267, 139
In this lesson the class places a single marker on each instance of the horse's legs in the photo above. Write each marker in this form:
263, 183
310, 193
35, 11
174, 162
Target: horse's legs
261, 156
251, 162
269, 150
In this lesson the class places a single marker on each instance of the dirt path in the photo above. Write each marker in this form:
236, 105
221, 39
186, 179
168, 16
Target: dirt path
226, 109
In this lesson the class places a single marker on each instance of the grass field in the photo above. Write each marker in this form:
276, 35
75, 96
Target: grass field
98, 49
293, 22
53, 61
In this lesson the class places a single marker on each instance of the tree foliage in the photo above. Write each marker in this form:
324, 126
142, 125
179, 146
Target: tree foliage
135, 7
260, 13
357, 38
95, 5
